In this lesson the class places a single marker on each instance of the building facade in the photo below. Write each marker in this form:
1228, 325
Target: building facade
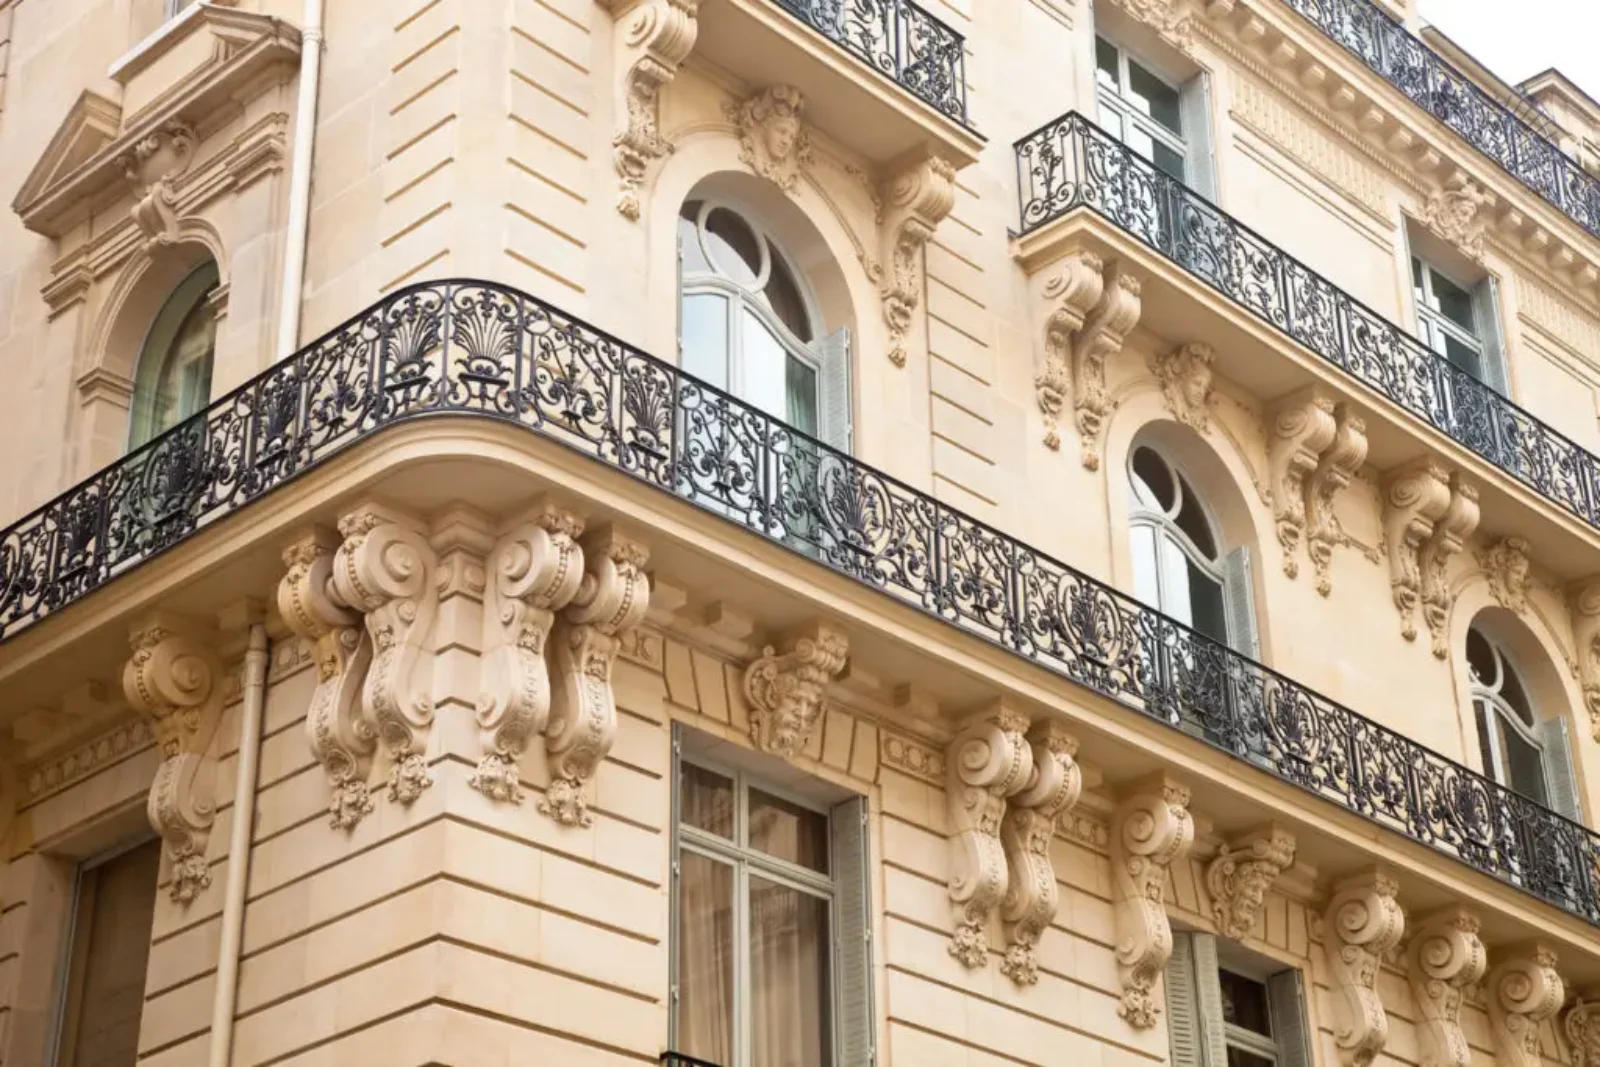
784, 533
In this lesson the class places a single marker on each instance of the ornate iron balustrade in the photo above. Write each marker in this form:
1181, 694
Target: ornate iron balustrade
1073, 163
678, 1059
482, 350
1434, 84
899, 39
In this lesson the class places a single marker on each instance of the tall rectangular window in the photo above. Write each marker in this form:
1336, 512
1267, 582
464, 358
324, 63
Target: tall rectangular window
770, 950
1141, 109
1230, 1008
108, 949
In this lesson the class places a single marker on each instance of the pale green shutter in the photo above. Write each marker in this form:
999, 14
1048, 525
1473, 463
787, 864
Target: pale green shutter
853, 935
1208, 996
1486, 308
674, 777
833, 417
1200, 162
1183, 1009
1286, 999
1239, 591
1560, 781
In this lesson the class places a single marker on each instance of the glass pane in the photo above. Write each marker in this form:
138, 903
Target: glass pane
1464, 356
1524, 761
1139, 142
1152, 481
1512, 693
1244, 1003
1154, 97
184, 385
735, 249
1111, 120
1485, 716
1481, 660
1454, 302
705, 800
1146, 586
802, 379
694, 257
1192, 521
1105, 64
789, 997
705, 338
705, 958
788, 831
1238, 1057
765, 370
1209, 615
1169, 161
783, 296
1416, 278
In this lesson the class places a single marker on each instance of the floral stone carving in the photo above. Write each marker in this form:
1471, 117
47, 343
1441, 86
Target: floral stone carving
1445, 958
915, 201
1508, 569
1301, 428
1581, 1025
1240, 875
1456, 214
1449, 534
1523, 992
1415, 498
787, 692
1149, 831
987, 762
1362, 925
773, 141
1029, 824
1335, 467
1072, 293
655, 37
1184, 374
1585, 602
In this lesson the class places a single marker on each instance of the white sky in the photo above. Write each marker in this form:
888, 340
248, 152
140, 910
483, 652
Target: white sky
1519, 38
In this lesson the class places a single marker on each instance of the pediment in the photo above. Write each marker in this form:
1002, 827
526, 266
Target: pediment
194, 73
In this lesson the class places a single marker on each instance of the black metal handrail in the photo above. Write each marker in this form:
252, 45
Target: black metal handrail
1072, 163
1434, 84
678, 1059
898, 38
468, 348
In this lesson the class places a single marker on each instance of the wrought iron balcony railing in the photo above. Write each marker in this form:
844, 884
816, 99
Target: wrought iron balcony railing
1073, 163
482, 350
1435, 85
899, 39
678, 1059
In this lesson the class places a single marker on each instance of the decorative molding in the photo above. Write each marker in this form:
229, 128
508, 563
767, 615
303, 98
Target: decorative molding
1149, 831
914, 756
1336, 467
175, 680
1523, 991
1185, 376
65, 769
385, 570
1300, 429
1173, 19
151, 165
1445, 957
1456, 214
988, 761
1072, 293
1581, 1025
1030, 822
655, 37
773, 140
1584, 599
534, 570
612, 599
1507, 568
914, 202
1415, 498
1449, 534
1240, 875
1102, 337
1575, 330
788, 692
1362, 925
342, 735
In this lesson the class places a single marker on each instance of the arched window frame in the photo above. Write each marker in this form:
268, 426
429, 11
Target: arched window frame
189, 296
1494, 702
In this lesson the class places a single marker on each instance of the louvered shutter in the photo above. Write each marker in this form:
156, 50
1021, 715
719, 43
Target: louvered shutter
1183, 1009
674, 779
1239, 591
833, 419
1486, 309
1200, 166
1208, 997
1560, 782
1286, 999
853, 933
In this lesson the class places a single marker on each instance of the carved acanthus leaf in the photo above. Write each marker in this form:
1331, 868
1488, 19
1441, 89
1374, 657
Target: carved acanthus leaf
988, 761
1415, 498
1149, 831
611, 600
534, 571
1581, 1025
1301, 428
1362, 925
1445, 957
787, 691
1523, 992
654, 38
1240, 875
1449, 534
1337, 465
151, 166
1031, 896
1070, 295
1584, 598
1456, 213
1507, 567
1104, 331
1173, 19
915, 201
1184, 374
773, 140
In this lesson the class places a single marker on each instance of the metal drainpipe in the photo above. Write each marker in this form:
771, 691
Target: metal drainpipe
253, 685
299, 223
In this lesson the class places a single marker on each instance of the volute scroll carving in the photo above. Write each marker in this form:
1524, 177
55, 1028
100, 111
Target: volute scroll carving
1104, 332
1029, 824
655, 37
1584, 598
1449, 534
915, 201
1363, 923
1415, 498
1150, 830
1445, 958
1581, 1025
1523, 990
787, 691
1071, 293
1336, 467
611, 600
534, 570
988, 761
1300, 429
1240, 875
175, 680
151, 166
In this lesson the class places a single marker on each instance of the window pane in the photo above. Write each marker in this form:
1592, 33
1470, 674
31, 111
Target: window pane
1105, 63
1153, 480
1192, 521
184, 384
1209, 615
1238, 1057
705, 338
1524, 761
705, 958
1175, 580
694, 257
788, 831
1154, 97
783, 296
802, 384
765, 369
735, 249
1454, 302
1481, 659
1244, 1003
1169, 162
1485, 716
705, 800
790, 945
1111, 120
1463, 356
1146, 566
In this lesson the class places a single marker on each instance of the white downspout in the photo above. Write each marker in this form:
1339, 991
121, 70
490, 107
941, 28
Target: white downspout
253, 685
299, 222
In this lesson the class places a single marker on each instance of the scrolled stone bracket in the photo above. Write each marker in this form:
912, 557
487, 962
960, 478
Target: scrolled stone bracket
1450, 533
1239, 876
1031, 896
915, 201
654, 37
611, 600
1584, 600
1524, 990
1415, 498
989, 760
1362, 924
1581, 1025
1071, 293
787, 691
1300, 428
1445, 957
1089, 322
1335, 468
1150, 830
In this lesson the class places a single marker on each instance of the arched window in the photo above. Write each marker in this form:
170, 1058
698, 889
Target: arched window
749, 326
1179, 563
173, 379
1519, 750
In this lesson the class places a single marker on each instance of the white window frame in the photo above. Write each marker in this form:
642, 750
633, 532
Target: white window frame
1117, 101
1434, 326
1547, 736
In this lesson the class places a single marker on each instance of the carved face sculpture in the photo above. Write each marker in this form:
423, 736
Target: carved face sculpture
783, 132
1197, 385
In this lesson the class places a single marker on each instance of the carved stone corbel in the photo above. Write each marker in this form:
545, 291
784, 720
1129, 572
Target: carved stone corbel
787, 691
1173, 19
1455, 212
151, 166
1302, 427
1449, 534
612, 599
1240, 875
1362, 925
343, 737
533, 571
1104, 331
1029, 824
1584, 598
1581, 1024
1507, 567
655, 37
1523, 991
773, 140
1184, 374
1149, 831
1415, 498
175, 681
1072, 293
1444, 958
915, 201
1337, 466
385, 570
988, 761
